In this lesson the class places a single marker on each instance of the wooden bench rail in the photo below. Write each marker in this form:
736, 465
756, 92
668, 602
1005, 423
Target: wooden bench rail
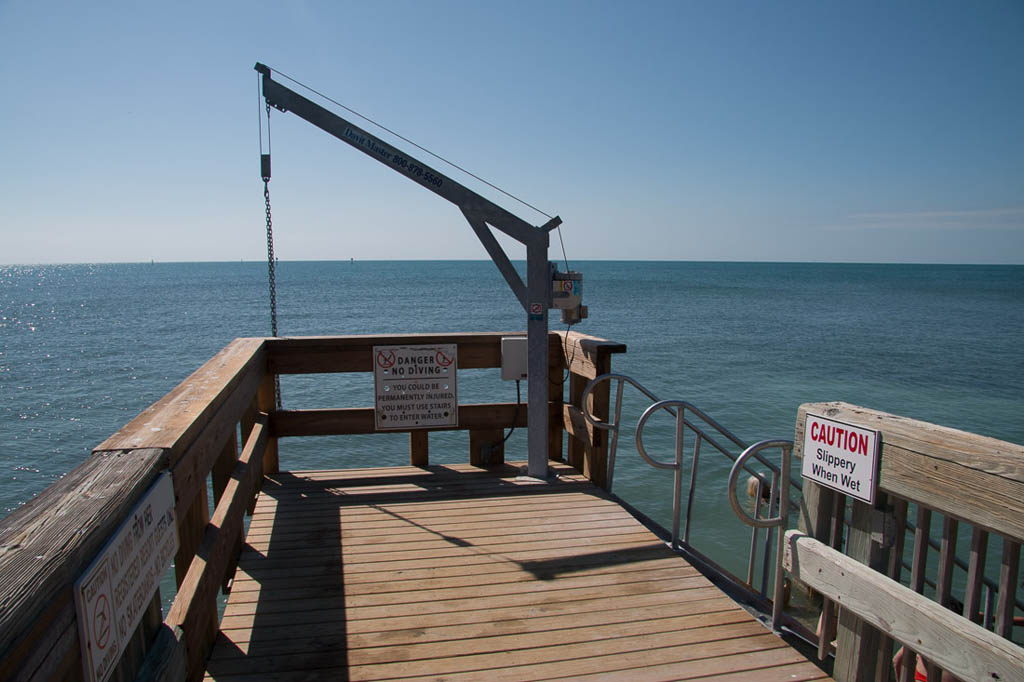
959, 646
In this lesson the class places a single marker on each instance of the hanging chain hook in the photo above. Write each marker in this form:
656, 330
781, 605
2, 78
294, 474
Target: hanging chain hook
271, 260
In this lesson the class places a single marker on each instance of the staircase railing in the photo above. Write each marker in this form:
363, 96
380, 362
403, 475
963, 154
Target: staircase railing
707, 430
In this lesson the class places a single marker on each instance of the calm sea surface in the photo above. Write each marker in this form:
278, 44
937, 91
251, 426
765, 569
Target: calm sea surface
84, 348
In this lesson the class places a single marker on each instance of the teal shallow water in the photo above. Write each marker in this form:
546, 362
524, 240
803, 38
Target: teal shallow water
83, 348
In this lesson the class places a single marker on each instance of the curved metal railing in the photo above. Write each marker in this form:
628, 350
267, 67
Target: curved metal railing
705, 430
779, 498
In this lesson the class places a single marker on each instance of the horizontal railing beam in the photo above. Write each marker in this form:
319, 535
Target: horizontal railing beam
339, 354
360, 420
177, 420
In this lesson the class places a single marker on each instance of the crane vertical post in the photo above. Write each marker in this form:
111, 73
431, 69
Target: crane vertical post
538, 287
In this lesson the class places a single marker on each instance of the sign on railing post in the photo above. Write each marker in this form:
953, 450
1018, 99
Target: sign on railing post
415, 386
841, 456
113, 593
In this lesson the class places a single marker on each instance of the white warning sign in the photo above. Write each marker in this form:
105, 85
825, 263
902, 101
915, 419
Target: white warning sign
114, 592
841, 456
415, 386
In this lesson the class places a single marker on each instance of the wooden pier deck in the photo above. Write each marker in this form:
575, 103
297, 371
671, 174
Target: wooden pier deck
459, 573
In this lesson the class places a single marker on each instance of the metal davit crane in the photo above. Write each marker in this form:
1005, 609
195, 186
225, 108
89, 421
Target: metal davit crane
535, 296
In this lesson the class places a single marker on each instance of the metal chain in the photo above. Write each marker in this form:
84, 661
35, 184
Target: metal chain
270, 261
273, 281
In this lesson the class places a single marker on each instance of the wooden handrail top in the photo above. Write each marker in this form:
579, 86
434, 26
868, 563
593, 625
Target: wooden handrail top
174, 421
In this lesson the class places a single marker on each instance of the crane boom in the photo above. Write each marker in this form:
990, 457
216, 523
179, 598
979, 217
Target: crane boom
535, 296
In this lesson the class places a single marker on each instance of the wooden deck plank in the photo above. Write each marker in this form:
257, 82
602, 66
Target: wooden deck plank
461, 573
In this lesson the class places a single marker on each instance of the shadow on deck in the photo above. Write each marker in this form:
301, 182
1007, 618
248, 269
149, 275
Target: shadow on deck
462, 573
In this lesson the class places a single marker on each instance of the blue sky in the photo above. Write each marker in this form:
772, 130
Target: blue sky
792, 131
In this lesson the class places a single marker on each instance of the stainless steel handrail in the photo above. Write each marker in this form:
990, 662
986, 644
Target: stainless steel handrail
780, 497
613, 424
710, 431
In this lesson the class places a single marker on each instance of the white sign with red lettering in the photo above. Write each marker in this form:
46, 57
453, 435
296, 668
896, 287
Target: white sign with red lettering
841, 456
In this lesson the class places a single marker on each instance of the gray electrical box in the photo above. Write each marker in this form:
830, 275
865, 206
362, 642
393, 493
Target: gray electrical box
513, 358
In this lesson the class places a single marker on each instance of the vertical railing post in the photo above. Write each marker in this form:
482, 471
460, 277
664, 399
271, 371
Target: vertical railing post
419, 450
266, 401
858, 643
556, 398
597, 455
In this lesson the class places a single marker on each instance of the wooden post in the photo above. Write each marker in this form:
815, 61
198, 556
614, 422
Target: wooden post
190, 533
597, 453
858, 642
267, 402
419, 453
556, 398
556, 430
577, 450
486, 448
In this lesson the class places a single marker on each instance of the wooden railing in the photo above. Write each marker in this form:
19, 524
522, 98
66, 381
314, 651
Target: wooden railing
194, 432
971, 481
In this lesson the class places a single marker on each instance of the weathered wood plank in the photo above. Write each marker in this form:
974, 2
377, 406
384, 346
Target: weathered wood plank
946, 638
47, 543
584, 354
719, 610
508, 617
973, 478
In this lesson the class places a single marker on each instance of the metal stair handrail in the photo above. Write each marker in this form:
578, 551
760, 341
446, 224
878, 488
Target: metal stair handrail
778, 497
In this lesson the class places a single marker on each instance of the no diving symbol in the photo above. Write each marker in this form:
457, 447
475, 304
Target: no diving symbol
443, 359
386, 361
101, 622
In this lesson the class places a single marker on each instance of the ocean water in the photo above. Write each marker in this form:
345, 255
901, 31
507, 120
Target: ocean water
84, 348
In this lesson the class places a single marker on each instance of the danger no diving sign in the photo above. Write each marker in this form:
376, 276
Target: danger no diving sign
415, 386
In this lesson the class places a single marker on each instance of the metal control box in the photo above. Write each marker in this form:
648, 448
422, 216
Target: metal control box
513, 358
